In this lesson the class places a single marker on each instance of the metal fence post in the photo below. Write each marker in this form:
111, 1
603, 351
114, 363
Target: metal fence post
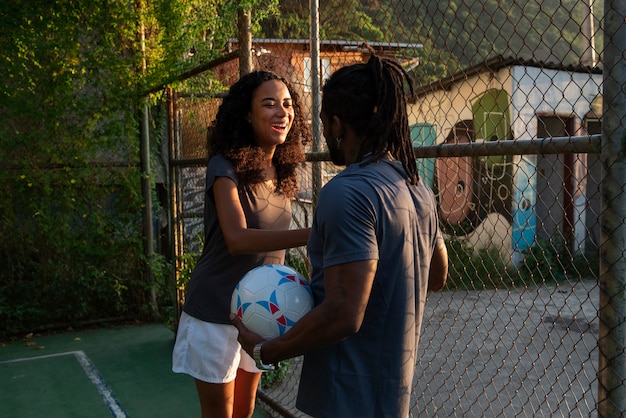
612, 311
315, 92
146, 179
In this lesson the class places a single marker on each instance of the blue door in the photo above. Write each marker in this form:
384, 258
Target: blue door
524, 204
423, 134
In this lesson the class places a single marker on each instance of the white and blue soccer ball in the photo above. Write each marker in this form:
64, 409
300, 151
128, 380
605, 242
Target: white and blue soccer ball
270, 299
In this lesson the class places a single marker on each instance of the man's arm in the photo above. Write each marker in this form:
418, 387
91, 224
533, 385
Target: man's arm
347, 290
438, 267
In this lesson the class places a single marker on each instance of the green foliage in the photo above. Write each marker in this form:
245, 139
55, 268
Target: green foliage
455, 33
469, 270
339, 19
67, 68
70, 206
162, 274
541, 264
294, 259
71, 248
181, 35
187, 262
474, 31
275, 377
548, 261
544, 262
74, 73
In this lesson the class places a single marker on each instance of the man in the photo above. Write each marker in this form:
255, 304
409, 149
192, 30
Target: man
375, 248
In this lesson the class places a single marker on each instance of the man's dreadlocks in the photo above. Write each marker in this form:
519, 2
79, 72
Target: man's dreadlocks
371, 98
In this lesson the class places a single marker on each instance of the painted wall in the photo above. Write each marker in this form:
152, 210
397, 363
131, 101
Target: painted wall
505, 188
539, 180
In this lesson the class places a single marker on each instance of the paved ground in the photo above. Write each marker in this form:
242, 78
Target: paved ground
120, 372
510, 353
491, 353
502, 353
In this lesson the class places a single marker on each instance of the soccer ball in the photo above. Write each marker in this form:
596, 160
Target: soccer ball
270, 299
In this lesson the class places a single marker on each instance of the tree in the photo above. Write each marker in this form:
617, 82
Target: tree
74, 73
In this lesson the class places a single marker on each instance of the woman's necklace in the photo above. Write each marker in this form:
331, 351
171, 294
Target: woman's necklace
271, 185
271, 181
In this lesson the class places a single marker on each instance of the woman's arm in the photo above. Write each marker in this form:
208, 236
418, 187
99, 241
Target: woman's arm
243, 240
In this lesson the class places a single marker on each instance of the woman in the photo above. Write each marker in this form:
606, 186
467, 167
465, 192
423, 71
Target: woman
255, 145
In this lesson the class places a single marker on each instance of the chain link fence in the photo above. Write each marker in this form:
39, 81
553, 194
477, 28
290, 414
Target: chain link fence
514, 118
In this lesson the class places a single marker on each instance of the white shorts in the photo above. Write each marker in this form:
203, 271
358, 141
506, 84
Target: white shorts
209, 352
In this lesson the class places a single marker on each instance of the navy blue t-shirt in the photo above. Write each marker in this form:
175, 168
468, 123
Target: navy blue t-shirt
371, 213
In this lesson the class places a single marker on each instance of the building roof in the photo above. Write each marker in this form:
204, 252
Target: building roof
497, 63
345, 45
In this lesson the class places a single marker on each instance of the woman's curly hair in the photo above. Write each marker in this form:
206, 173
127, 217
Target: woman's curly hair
232, 135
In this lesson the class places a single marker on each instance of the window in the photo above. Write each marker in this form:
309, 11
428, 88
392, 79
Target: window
324, 69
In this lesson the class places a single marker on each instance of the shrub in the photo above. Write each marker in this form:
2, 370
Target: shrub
469, 270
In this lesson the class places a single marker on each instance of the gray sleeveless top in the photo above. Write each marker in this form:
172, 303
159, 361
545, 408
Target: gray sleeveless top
217, 271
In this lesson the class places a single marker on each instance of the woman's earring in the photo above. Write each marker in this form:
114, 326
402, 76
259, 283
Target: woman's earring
339, 142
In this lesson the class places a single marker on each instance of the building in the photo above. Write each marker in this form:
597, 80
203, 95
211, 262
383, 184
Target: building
512, 201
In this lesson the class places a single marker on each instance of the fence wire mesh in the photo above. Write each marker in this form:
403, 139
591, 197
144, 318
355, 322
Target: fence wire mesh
507, 123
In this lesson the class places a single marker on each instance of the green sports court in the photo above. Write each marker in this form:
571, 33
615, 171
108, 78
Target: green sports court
121, 371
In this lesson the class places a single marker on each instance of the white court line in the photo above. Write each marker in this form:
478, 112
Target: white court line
92, 373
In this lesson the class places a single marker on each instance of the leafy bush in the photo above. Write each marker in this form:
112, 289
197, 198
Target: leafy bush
72, 251
74, 77
473, 271
548, 261
275, 377
544, 262
541, 263
295, 260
